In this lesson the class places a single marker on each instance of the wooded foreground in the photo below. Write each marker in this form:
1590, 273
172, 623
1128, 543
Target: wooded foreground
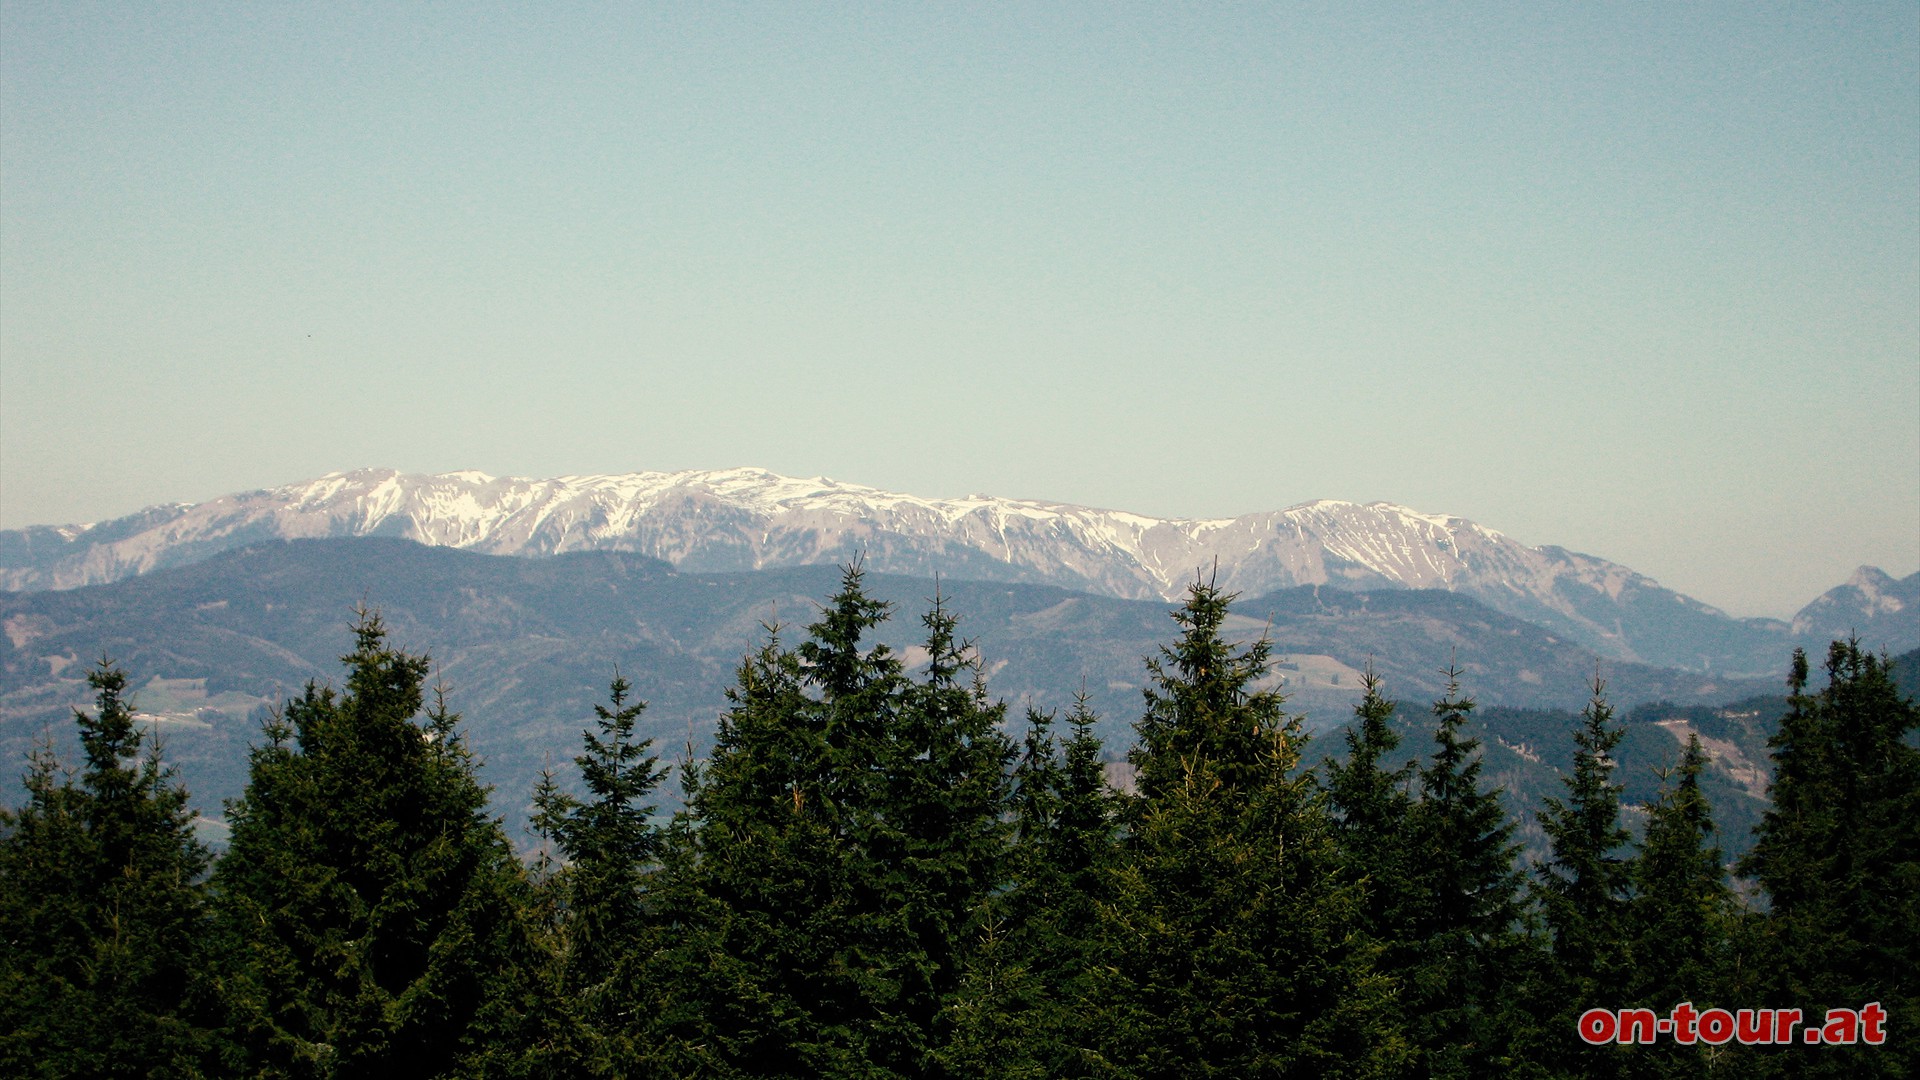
871, 878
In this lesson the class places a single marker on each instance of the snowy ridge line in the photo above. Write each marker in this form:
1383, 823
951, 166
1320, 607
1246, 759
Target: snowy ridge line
461, 518
751, 519
512, 515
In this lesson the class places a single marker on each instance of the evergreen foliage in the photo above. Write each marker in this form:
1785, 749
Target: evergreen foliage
938, 842
1005, 1020
608, 849
1471, 959
1233, 935
376, 916
1203, 707
847, 834
1065, 864
1839, 857
102, 911
1372, 808
867, 879
1682, 914
1022, 1008
1584, 889
756, 887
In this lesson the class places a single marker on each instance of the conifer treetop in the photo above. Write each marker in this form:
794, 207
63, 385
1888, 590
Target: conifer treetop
1203, 702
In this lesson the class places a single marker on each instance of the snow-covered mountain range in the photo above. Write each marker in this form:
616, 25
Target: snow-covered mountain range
747, 519
1872, 604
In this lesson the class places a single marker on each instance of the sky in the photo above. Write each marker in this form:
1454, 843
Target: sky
1638, 280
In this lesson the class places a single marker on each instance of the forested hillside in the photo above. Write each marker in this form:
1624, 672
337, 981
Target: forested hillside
878, 868
523, 644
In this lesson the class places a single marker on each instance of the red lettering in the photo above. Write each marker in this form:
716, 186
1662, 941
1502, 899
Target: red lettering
1871, 1017
1784, 1021
1842, 1026
1753, 1026
1597, 1026
1635, 1021
1683, 1021
1716, 1027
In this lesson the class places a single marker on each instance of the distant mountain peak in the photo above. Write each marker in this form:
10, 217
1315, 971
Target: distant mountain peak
1873, 579
750, 518
1872, 604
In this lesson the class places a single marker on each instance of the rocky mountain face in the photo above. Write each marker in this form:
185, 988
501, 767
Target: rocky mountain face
1873, 605
750, 519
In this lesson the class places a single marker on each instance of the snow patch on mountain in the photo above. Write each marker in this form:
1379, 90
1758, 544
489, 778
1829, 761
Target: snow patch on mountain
748, 518
1883, 610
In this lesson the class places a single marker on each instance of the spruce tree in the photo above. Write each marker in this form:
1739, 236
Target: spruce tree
376, 911
102, 911
846, 835
1681, 916
1002, 1022
1021, 1011
1583, 891
1233, 944
756, 888
608, 849
937, 842
1036, 796
1371, 809
1203, 707
1065, 867
1461, 989
1838, 854
1010, 988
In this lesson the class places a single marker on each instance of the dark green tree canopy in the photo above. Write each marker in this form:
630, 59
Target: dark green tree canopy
1467, 957
608, 839
376, 908
1585, 882
1682, 914
596, 900
868, 879
1234, 942
1203, 703
1371, 807
846, 835
103, 971
1838, 853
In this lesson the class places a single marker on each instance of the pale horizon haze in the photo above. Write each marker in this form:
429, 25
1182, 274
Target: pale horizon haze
1640, 281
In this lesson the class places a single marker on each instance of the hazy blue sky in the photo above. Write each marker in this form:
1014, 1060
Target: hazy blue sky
1641, 280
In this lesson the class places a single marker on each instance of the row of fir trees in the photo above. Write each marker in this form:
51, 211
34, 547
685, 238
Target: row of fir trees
871, 878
